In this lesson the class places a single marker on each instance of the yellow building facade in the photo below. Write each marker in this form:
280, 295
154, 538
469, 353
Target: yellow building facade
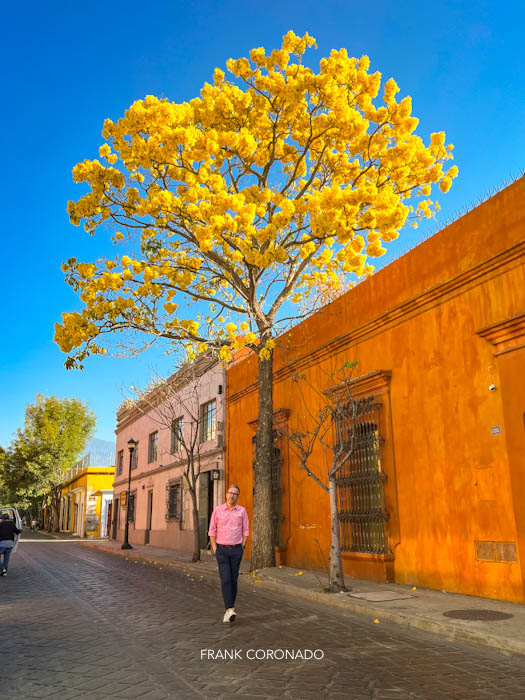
86, 497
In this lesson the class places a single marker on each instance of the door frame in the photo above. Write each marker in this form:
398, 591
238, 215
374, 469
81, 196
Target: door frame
115, 516
106, 499
149, 513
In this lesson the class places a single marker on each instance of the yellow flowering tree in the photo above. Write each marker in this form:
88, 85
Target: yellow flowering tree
271, 188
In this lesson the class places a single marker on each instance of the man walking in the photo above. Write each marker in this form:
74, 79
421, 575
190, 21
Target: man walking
229, 529
8, 530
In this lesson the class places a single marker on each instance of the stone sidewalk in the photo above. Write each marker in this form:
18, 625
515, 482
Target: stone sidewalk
483, 621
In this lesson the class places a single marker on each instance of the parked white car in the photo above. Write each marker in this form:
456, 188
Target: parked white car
13, 515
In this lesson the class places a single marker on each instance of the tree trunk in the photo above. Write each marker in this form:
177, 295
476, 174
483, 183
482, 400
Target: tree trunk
262, 547
336, 580
55, 510
196, 529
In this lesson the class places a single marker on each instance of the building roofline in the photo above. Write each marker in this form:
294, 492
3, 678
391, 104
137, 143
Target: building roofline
177, 381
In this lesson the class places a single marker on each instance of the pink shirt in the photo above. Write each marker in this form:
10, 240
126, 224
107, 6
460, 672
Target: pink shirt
229, 525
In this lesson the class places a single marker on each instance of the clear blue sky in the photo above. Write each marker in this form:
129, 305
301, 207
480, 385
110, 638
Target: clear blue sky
68, 65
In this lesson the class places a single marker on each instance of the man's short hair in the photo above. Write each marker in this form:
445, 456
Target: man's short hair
234, 486
4, 516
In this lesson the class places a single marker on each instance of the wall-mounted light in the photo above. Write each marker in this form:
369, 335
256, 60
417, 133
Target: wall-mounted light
215, 474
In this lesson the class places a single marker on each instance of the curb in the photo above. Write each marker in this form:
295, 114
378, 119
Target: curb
170, 563
450, 631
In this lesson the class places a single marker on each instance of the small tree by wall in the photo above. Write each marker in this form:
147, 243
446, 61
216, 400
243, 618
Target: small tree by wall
327, 434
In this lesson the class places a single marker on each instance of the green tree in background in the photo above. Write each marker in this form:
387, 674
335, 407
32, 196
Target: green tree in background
54, 436
4, 498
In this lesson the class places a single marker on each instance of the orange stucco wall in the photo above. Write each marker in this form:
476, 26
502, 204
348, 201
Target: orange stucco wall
452, 477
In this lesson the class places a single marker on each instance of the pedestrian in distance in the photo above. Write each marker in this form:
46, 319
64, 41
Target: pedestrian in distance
229, 529
8, 532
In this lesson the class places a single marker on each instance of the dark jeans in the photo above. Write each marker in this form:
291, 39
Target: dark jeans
229, 561
6, 551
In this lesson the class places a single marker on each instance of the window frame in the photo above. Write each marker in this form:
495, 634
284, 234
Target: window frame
120, 462
174, 513
360, 484
177, 440
153, 442
208, 428
131, 507
135, 457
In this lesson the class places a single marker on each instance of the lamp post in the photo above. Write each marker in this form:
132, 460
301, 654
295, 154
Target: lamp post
131, 446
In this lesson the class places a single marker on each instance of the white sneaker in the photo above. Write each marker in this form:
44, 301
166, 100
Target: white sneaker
229, 615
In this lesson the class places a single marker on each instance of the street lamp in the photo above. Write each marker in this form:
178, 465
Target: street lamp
131, 446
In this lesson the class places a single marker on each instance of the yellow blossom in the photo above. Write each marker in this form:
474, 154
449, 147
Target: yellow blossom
267, 188
445, 184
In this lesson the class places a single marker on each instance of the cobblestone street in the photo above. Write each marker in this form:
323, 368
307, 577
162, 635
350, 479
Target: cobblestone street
80, 623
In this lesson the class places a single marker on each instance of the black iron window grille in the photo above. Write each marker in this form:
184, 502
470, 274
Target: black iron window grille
131, 507
177, 427
173, 500
152, 446
363, 519
135, 457
120, 462
277, 498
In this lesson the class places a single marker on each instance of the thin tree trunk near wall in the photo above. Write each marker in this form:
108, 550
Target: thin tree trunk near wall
336, 578
55, 527
53, 524
56, 513
196, 529
263, 554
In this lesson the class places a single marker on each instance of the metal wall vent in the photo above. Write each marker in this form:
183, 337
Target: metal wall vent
496, 551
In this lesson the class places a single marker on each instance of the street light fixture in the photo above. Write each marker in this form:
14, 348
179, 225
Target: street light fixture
131, 446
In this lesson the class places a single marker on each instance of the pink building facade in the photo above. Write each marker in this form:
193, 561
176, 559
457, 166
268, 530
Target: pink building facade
188, 408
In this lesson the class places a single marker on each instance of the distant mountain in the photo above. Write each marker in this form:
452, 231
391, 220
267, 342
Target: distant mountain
98, 453
97, 444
